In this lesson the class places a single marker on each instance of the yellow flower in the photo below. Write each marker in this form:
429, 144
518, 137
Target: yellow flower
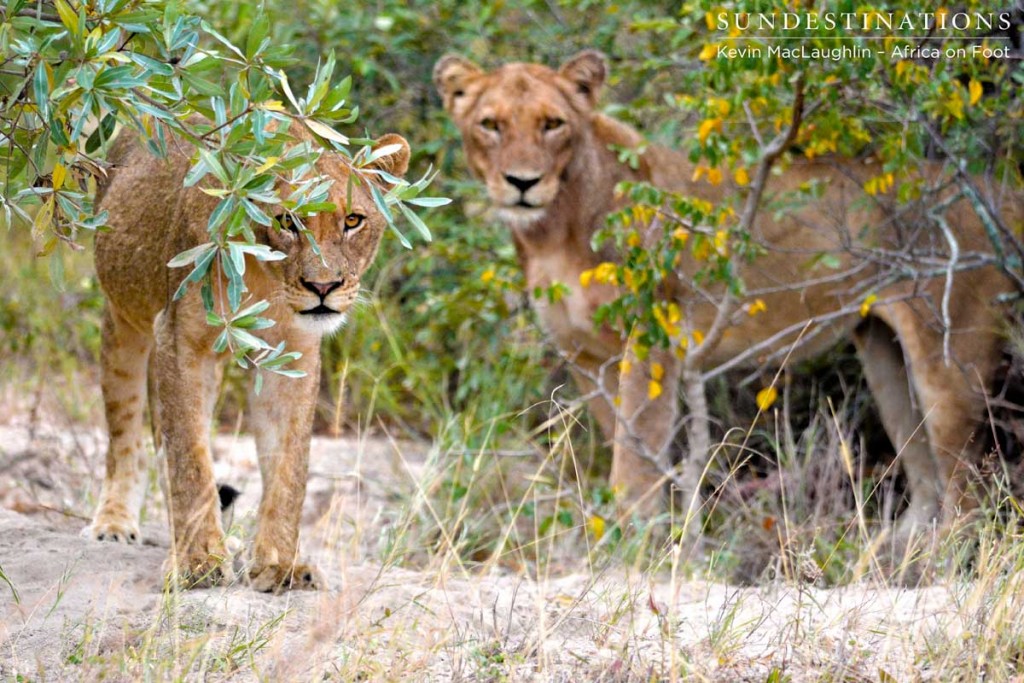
605, 273
702, 205
680, 235
596, 525
766, 397
487, 275
653, 389
880, 184
698, 337
955, 104
657, 371
722, 242
714, 176
667, 320
709, 52
625, 366
758, 306
633, 240
706, 128
865, 307
585, 277
698, 172
742, 177
643, 213
975, 90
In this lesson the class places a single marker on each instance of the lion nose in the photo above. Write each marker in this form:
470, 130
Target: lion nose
322, 288
522, 184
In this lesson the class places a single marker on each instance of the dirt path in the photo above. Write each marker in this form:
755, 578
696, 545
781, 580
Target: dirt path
86, 609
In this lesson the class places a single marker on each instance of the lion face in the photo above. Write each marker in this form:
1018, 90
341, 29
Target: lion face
520, 125
320, 290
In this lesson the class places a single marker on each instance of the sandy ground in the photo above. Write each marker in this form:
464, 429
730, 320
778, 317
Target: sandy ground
75, 609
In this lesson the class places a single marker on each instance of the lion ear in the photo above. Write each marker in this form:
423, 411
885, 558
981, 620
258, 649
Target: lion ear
587, 70
452, 74
396, 161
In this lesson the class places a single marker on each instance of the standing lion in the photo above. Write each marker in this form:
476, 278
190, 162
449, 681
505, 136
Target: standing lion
548, 160
154, 217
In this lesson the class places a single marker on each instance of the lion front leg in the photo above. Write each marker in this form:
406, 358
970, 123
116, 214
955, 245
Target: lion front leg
186, 369
282, 422
644, 429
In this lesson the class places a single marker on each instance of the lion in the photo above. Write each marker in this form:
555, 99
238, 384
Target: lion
550, 166
152, 218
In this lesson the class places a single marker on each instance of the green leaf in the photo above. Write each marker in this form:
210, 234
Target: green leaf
259, 30
101, 134
220, 213
152, 65
192, 255
325, 131
67, 16
221, 343
201, 85
261, 251
380, 153
57, 270
256, 214
290, 373
420, 226
202, 266
41, 88
214, 165
237, 257
429, 201
381, 203
246, 340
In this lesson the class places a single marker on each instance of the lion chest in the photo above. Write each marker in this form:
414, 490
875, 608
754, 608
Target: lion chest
566, 309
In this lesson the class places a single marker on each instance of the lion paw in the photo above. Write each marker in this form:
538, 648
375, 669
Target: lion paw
202, 566
108, 528
276, 578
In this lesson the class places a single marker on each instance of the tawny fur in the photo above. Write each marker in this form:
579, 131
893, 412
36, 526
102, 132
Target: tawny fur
529, 127
153, 217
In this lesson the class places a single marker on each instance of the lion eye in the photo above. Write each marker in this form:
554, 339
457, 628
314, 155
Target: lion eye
553, 123
286, 222
353, 221
489, 124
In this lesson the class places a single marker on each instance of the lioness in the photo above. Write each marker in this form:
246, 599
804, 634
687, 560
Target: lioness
531, 134
153, 217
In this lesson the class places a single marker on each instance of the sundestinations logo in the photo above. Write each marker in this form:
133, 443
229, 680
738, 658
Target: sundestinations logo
779, 29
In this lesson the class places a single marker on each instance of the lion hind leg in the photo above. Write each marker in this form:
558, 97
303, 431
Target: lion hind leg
953, 400
123, 360
887, 376
948, 398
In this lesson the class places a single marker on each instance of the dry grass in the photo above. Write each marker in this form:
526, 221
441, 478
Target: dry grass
453, 564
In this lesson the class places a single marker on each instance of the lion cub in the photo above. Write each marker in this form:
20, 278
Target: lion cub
153, 217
